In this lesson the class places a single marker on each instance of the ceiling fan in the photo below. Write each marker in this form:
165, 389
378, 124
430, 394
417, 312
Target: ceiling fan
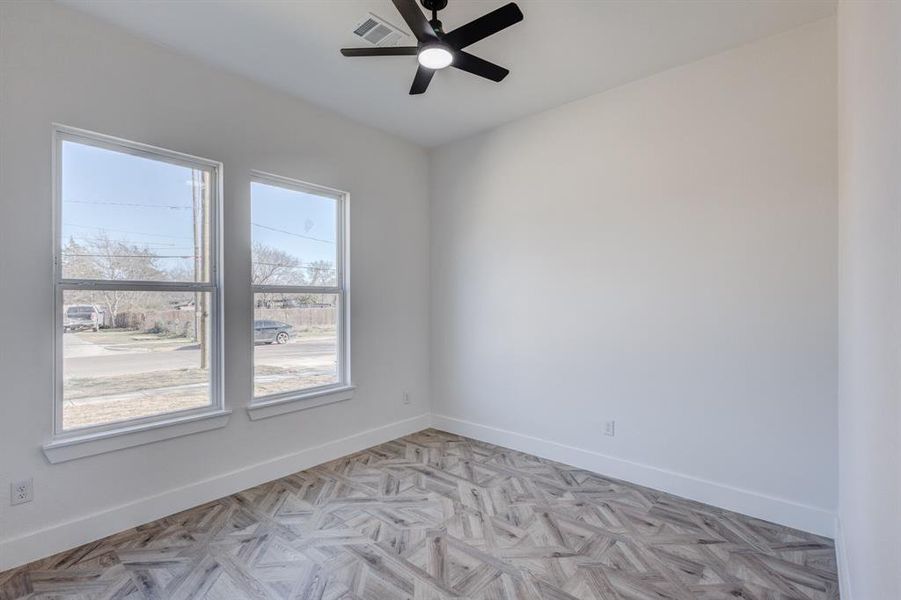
437, 49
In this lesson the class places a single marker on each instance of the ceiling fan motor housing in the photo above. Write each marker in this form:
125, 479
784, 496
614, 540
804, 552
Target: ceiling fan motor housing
433, 4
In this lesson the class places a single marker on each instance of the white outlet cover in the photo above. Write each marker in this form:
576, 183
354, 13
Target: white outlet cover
610, 428
21, 491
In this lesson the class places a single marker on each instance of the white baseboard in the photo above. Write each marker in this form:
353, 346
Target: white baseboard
63, 536
808, 518
71, 534
841, 558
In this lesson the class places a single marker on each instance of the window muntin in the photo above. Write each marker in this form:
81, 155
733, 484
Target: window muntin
137, 288
299, 288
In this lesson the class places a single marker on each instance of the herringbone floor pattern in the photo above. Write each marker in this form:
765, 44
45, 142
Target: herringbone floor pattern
433, 516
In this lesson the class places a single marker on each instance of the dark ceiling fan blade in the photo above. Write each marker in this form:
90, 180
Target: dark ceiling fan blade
484, 26
477, 66
386, 51
416, 21
421, 81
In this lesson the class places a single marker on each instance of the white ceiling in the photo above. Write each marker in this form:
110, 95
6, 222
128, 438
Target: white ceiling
563, 50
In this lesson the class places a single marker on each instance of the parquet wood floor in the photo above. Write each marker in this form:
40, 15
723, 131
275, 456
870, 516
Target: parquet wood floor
434, 516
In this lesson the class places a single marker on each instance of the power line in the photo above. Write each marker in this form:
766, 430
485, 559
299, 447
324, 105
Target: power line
300, 235
130, 204
185, 256
143, 246
132, 255
300, 266
174, 237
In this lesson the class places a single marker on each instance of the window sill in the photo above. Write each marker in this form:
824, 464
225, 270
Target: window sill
71, 448
271, 408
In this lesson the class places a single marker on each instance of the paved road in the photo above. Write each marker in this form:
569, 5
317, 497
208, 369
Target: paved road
101, 362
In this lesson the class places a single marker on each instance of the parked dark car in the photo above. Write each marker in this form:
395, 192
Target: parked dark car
268, 332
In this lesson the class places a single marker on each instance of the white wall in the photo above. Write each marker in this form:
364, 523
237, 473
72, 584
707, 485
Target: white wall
663, 254
869, 50
58, 65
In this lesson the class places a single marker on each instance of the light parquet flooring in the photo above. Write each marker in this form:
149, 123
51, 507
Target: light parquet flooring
433, 516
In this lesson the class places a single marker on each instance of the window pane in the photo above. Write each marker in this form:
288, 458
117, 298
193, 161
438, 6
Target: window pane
294, 237
128, 355
295, 342
127, 217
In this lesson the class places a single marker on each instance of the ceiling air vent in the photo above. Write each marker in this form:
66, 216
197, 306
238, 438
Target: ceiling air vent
379, 32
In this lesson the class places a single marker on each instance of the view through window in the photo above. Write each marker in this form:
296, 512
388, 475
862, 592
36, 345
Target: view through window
136, 283
298, 286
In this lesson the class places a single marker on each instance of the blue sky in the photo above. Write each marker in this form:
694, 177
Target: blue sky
148, 203
304, 225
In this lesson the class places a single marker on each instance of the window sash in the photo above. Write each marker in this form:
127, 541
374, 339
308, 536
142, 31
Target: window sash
62, 133
342, 350
340, 290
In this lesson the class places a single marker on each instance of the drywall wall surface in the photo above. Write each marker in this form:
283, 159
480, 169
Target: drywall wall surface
59, 65
662, 255
869, 51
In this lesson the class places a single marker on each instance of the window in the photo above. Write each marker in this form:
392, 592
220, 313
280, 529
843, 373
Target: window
137, 294
299, 289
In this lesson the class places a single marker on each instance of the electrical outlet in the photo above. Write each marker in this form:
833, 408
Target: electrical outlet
610, 428
21, 492
406, 397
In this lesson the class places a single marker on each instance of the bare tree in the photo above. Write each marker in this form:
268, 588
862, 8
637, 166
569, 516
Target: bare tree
101, 257
322, 272
272, 266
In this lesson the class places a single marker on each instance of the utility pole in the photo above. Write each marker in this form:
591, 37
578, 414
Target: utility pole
200, 187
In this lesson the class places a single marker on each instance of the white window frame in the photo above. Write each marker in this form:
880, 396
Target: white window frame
274, 404
181, 422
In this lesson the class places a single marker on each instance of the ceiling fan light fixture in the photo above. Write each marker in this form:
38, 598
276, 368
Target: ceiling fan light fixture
435, 56
436, 49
